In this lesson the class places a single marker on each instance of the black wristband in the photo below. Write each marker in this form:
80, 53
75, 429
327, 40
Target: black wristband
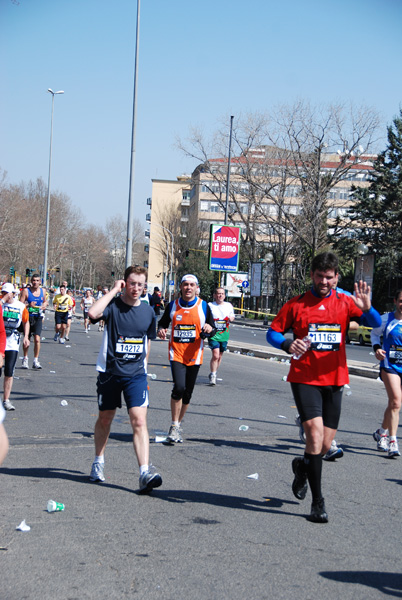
286, 345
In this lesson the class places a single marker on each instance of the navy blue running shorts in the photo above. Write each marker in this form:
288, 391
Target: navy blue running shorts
110, 387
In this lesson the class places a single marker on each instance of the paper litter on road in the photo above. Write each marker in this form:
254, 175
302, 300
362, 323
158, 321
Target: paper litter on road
23, 526
52, 371
160, 438
282, 417
253, 476
64, 403
243, 428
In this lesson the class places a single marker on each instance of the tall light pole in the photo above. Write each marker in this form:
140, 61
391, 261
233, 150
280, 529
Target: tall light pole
228, 184
129, 241
44, 279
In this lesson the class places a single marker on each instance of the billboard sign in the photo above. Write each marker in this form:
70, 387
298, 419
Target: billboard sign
234, 282
224, 248
256, 279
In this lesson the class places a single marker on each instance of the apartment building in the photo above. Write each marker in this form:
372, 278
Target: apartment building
263, 182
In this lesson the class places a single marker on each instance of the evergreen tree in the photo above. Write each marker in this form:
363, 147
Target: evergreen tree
376, 217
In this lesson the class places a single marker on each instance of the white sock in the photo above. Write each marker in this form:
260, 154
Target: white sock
144, 469
392, 438
100, 459
383, 431
175, 423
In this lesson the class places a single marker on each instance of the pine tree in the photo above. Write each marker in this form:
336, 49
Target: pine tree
376, 215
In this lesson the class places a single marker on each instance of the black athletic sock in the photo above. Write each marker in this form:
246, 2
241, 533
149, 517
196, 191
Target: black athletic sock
313, 468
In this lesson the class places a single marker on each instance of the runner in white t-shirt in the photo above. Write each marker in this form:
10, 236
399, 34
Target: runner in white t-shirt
86, 304
223, 314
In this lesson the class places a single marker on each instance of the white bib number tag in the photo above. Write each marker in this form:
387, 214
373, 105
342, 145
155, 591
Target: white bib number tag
395, 355
220, 325
184, 334
325, 337
130, 347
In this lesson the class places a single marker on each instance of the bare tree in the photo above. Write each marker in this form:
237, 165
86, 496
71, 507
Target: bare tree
282, 177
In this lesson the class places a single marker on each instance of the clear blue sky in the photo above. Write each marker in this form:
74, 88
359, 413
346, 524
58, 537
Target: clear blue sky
199, 62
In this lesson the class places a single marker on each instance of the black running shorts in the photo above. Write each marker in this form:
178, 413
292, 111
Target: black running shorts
318, 401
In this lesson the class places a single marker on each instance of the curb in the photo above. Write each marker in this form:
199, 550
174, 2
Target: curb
362, 370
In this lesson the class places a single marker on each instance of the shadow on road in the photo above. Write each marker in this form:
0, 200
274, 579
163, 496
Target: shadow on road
244, 445
267, 505
386, 583
48, 473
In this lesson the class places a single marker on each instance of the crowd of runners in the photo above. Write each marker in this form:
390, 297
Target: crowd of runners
130, 318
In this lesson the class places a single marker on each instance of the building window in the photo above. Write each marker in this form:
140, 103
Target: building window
215, 207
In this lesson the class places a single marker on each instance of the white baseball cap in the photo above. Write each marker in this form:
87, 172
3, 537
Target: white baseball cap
7, 288
191, 278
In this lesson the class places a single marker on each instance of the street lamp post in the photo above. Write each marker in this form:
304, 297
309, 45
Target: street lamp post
44, 279
129, 240
362, 250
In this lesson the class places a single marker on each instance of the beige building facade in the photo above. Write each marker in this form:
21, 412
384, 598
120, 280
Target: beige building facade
167, 218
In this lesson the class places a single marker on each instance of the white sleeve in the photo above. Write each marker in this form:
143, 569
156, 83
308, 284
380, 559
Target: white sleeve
2, 413
378, 331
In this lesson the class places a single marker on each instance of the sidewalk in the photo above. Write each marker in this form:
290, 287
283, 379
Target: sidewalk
361, 368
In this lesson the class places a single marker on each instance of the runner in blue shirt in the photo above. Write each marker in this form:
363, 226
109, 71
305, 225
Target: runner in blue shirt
122, 368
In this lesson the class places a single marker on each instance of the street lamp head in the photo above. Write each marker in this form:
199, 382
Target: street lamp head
53, 93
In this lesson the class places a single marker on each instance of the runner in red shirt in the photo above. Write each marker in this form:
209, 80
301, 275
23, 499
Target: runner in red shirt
319, 320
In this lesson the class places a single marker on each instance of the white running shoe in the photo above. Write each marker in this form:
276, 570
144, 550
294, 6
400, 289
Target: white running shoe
212, 379
393, 449
382, 441
383, 444
302, 435
25, 364
8, 406
334, 452
97, 472
174, 435
62, 341
149, 481
36, 364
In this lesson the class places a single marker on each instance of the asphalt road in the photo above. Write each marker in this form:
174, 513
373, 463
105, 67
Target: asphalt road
209, 532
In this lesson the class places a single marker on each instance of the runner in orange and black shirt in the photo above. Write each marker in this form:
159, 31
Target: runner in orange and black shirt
191, 320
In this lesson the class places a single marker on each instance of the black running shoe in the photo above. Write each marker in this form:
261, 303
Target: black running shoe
299, 485
318, 513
